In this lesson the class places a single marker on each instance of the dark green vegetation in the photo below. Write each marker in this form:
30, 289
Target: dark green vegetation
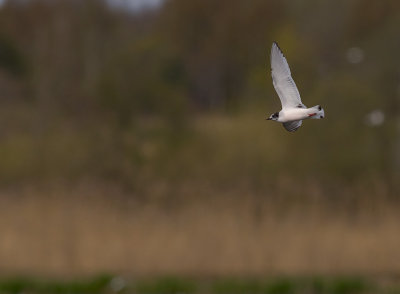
19, 285
80, 82
174, 285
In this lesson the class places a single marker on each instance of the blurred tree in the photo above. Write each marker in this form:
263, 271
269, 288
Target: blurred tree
65, 43
219, 42
10, 57
139, 74
144, 80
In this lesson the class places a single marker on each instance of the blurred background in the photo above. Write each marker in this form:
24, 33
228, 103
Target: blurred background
133, 140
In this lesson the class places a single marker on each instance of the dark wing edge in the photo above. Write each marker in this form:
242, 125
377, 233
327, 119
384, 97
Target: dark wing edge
281, 63
292, 126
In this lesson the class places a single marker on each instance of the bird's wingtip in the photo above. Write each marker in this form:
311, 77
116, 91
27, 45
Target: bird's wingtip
275, 44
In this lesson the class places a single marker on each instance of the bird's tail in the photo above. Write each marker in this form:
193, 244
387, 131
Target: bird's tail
318, 112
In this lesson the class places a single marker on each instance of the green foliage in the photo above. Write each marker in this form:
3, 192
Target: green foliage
144, 81
181, 92
11, 58
174, 285
18, 285
348, 286
167, 285
15, 285
237, 286
253, 286
344, 285
97, 285
282, 286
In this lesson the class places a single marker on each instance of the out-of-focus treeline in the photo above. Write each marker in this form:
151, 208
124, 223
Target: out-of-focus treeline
180, 92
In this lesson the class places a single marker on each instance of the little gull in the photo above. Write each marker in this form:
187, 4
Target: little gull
293, 110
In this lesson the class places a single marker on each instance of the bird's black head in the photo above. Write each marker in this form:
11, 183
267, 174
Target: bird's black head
274, 116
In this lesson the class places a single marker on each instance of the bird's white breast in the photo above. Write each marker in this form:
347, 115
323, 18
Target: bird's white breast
293, 114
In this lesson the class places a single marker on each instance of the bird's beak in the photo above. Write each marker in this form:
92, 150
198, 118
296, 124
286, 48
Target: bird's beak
268, 118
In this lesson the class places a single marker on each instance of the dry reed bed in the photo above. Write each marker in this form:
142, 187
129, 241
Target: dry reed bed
89, 229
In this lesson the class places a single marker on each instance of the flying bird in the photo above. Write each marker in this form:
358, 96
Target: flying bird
293, 110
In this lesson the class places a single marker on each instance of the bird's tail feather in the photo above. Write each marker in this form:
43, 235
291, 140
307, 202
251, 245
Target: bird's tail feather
320, 113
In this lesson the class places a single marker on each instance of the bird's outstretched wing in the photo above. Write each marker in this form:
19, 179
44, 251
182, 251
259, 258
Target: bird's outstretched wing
292, 126
282, 80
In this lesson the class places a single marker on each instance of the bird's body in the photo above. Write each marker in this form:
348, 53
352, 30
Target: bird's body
293, 110
291, 114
